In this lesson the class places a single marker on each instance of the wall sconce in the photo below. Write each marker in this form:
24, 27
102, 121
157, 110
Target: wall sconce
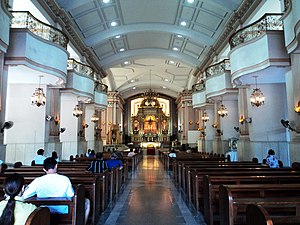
205, 117
190, 122
56, 120
62, 130
94, 118
297, 108
237, 129
84, 125
243, 119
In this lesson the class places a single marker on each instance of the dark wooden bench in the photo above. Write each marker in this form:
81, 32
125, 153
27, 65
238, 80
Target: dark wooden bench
211, 189
40, 216
76, 207
197, 179
259, 215
233, 199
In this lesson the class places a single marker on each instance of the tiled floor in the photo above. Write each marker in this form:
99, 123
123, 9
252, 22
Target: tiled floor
150, 198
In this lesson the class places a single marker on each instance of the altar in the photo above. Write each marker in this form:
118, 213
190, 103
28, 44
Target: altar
145, 144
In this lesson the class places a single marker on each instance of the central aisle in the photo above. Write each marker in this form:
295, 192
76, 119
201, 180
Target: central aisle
150, 198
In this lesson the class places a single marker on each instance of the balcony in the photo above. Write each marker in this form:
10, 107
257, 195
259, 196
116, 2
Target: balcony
257, 48
291, 20
100, 98
199, 95
37, 45
80, 79
4, 28
218, 79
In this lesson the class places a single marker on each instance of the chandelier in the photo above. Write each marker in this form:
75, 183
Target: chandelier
205, 117
150, 95
77, 111
94, 118
257, 98
222, 111
38, 97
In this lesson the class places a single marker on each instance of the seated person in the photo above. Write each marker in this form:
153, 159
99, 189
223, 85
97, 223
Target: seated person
98, 165
272, 160
172, 153
114, 162
131, 153
12, 209
53, 185
55, 156
39, 158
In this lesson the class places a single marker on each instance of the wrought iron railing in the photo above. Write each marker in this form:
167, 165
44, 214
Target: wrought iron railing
287, 4
267, 23
80, 68
99, 87
198, 87
218, 68
26, 20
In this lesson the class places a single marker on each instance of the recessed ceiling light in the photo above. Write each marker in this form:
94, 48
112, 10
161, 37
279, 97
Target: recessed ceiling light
172, 62
166, 79
179, 36
134, 88
113, 23
106, 1
126, 62
132, 81
190, 1
164, 87
122, 49
175, 49
117, 36
183, 23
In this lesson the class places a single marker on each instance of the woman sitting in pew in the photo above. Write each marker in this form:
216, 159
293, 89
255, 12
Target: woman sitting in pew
272, 160
14, 210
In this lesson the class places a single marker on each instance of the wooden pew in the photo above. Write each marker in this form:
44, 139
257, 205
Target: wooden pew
259, 215
76, 207
95, 189
233, 199
211, 189
40, 216
197, 178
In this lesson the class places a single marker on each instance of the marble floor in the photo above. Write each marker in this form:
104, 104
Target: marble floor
150, 198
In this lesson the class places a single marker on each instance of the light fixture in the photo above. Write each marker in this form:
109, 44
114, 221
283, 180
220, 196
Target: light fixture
95, 118
297, 108
113, 23
150, 96
205, 117
243, 119
257, 98
38, 98
222, 111
77, 111
183, 23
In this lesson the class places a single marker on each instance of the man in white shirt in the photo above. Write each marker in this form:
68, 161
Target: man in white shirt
52, 185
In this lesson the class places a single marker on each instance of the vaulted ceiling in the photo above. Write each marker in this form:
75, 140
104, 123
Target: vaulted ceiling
157, 44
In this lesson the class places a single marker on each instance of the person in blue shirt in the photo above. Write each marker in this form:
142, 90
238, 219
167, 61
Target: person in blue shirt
114, 162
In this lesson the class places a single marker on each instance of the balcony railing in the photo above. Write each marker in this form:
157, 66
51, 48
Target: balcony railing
267, 23
80, 68
198, 87
218, 68
37, 27
287, 4
99, 87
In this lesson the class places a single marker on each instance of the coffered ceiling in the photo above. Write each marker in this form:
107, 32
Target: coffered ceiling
157, 44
